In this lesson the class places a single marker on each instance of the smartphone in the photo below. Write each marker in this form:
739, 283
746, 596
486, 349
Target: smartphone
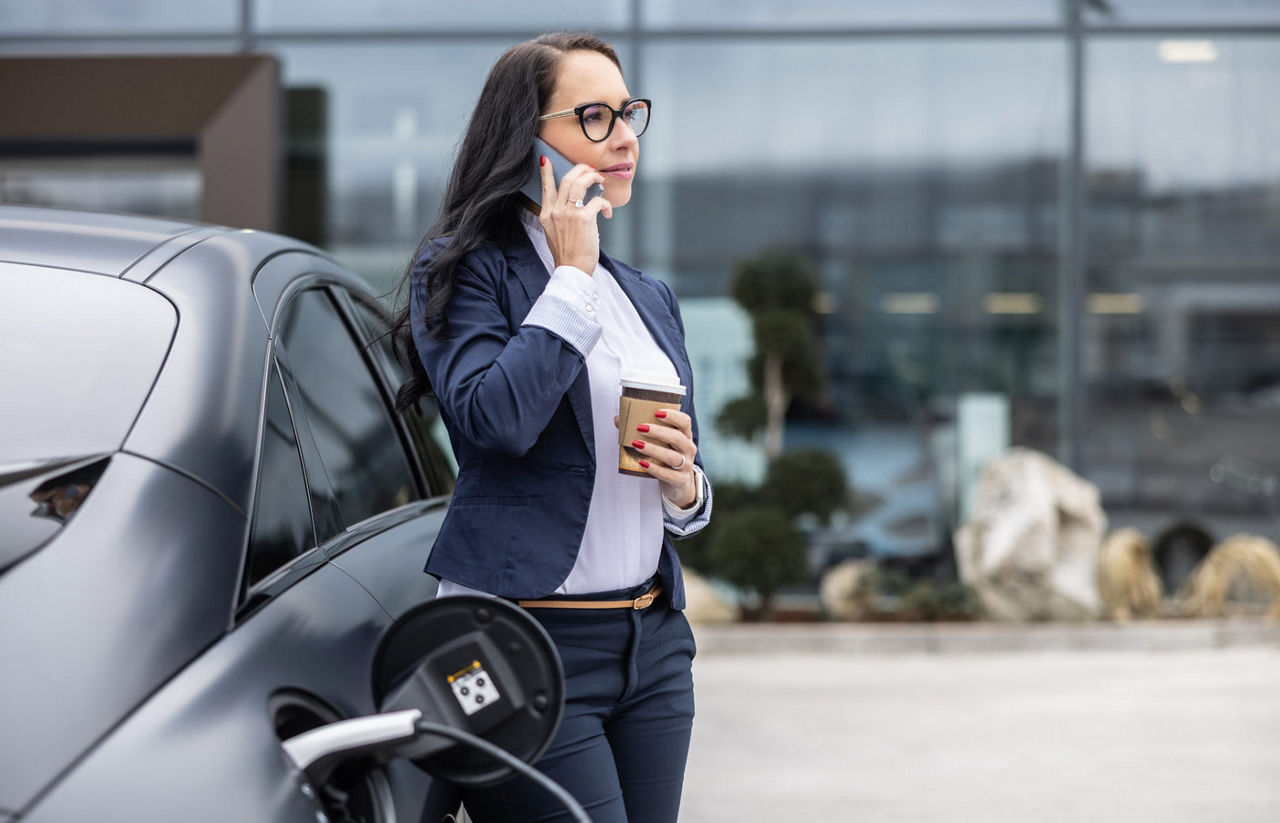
560, 166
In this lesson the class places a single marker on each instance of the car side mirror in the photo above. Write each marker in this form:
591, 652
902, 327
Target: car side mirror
451, 670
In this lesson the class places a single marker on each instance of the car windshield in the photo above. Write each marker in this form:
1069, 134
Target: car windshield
78, 355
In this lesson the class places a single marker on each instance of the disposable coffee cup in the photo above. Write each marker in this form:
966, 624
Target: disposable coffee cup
643, 393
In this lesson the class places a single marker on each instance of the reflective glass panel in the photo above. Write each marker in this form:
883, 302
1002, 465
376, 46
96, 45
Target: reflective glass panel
387, 134
117, 16
479, 14
281, 527
388, 127
730, 14
1183, 313
162, 185
920, 180
345, 410
422, 421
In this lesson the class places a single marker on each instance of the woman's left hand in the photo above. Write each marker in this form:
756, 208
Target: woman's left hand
667, 446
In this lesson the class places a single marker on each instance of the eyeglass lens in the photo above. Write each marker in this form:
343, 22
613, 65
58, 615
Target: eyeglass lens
597, 121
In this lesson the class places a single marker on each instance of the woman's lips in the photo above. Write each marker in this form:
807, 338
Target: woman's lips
622, 171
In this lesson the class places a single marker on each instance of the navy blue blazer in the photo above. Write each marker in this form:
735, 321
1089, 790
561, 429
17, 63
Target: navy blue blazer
517, 405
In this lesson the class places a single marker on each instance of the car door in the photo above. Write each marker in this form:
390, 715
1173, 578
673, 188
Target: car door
303, 632
387, 481
380, 473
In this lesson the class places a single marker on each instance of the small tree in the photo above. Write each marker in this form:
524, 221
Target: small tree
778, 291
807, 481
758, 550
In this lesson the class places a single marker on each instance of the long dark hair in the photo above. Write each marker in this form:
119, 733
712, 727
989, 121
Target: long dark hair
483, 194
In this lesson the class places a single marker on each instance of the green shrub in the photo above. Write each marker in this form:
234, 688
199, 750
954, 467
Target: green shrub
898, 596
807, 481
758, 550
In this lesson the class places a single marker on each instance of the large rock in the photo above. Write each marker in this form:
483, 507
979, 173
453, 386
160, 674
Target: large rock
1030, 548
844, 592
703, 604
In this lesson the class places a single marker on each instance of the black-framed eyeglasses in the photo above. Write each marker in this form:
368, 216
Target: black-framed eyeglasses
597, 119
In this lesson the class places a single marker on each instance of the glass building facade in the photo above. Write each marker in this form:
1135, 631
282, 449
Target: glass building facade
1041, 223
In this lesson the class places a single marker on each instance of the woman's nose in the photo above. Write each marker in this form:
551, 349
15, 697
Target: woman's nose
623, 135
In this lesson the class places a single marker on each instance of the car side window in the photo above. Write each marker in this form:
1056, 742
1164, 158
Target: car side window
281, 528
421, 421
352, 426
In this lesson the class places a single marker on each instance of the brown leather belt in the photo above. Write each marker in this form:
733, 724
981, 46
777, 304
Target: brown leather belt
644, 601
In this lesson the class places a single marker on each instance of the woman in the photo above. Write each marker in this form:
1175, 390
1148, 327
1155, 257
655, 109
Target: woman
522, 327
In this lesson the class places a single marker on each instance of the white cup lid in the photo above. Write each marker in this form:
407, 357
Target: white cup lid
652, 381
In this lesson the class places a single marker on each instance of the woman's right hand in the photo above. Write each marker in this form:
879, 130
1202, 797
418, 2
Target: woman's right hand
572, 232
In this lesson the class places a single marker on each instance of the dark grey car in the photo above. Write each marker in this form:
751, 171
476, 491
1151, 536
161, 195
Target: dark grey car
209, 514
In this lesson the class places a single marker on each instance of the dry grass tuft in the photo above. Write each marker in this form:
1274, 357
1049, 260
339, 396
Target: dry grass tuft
1244, 567
1127, 579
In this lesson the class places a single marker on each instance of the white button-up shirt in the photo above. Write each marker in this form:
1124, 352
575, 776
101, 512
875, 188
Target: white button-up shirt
622, 540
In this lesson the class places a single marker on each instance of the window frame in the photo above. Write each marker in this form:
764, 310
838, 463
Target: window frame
250, 596
342, 296
349, 302
338, 541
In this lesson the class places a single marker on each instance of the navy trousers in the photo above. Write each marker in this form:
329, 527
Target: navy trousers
624, 739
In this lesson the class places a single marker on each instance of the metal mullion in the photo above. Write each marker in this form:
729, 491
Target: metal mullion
1181, 30
1071, 273
246, 26
637, 81
119, 38
248, 33
837, 32
424, 35
852, 32
953, 32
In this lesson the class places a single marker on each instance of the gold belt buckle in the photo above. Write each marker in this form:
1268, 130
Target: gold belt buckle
644, 601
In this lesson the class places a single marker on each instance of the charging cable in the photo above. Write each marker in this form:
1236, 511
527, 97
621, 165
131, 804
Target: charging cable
506, 758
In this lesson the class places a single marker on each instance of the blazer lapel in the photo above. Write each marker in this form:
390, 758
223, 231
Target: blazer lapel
653, 310
523, 260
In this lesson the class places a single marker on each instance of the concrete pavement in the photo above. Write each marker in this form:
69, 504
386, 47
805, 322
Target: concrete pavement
1168, 723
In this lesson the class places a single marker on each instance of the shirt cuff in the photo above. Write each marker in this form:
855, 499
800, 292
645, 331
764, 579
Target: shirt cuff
684, 522
569, 307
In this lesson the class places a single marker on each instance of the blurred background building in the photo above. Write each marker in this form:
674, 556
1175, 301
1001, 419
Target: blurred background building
1042, 223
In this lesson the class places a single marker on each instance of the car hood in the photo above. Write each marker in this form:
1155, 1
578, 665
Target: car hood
137, 581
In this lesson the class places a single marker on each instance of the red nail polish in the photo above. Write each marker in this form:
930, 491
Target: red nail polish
542, 161
660, 413
644, 463
643, 427
637, 444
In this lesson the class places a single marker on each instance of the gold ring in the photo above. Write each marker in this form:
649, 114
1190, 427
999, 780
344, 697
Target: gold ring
578, 203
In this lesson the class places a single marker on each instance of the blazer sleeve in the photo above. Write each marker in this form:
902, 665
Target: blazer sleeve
689, 525
499, 389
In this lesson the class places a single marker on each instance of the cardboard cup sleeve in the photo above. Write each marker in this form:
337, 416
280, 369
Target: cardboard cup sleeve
637, 406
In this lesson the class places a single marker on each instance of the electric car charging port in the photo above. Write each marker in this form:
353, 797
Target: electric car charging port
357, 791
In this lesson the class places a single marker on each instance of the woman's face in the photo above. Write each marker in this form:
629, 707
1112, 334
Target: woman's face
590, 77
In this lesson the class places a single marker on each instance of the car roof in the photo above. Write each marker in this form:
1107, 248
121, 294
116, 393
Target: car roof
96, 242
